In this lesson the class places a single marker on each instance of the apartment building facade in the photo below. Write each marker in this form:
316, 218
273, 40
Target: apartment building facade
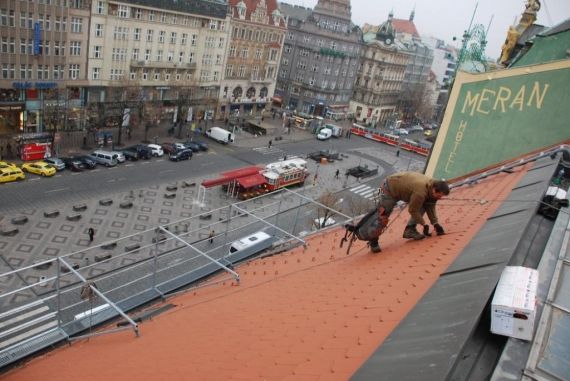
257, 34
154, 61
320, 58
380, 76
43, 64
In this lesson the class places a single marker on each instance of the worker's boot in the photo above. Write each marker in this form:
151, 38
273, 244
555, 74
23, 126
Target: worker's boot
374, 246
412, 233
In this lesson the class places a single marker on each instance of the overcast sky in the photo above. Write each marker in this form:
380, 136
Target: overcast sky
448, 18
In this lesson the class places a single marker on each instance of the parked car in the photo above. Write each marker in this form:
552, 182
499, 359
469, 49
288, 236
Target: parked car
416, 128
192, 145
203, 145
143, 151
55, 162
39, 168
130, 155
105, 158
73, 164
183, 154
156, 150
10, 174
180, 146
86, 161
168, 148
428, 132
401, 131
119, 156
5, 164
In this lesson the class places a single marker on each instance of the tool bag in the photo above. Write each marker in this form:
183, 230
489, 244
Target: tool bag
370, 227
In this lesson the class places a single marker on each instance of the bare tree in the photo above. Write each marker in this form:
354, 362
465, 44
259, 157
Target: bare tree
183, 102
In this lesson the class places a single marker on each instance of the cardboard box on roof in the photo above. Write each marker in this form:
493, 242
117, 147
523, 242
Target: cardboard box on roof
514, 305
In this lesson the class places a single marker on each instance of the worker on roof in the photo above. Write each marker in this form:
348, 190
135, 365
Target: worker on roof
421, 193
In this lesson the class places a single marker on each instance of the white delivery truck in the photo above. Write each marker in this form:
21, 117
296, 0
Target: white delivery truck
324, 134
220, 135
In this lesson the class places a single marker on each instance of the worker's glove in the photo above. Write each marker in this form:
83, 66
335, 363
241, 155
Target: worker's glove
439, 230
426, 230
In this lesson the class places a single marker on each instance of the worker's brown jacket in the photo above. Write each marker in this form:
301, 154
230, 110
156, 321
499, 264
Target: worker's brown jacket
415, 189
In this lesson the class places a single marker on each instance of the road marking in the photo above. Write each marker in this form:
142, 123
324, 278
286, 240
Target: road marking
359, 187
166, 171
34, 179
129, 165
146, 162
56, 190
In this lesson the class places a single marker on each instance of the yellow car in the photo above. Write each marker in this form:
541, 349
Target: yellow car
39, 168
11, 174
5, 164
428, 132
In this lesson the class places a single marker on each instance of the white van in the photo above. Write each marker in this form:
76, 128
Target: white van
336, 130
105, 158
220, 135
251, 244
324, 134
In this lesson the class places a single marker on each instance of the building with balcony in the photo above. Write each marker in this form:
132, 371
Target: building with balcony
320, 58
44, 64
256, 43
154, 61
380, 76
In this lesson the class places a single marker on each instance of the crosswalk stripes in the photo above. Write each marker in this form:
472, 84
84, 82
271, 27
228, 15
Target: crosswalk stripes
268, 150
365, 191
24, 322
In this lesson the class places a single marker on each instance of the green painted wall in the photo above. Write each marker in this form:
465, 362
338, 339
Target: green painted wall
500, 117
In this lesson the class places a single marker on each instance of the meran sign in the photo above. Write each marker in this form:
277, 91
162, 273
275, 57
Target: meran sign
498, 116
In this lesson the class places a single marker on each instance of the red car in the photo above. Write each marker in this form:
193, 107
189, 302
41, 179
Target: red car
168, 148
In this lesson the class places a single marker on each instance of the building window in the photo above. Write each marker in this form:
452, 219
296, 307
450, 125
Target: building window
213, 24
76, 25
133, 74
123, 11
73, 71
147, 55
161, 35
151, 15
159, 56
184, 39
173, 37
193, 40
97, 51
138, 14
75, 48
96, 73
190, 57
149, 35
170, 56
135, 55
180, 57
137, 34
221, 42
98, 30
244, 52
241, 71
229, 71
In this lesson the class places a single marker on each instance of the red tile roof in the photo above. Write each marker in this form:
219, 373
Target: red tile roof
405, 26
308, 314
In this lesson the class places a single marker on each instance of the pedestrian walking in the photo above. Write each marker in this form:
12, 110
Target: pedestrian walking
398, 153
211, 236
337, 173
315, 179
91, 234
269, 143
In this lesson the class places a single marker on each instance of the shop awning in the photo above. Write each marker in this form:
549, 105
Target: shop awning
251, 181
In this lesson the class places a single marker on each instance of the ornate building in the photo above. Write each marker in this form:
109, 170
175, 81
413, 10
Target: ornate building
256, 44
320, 58
380, 75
